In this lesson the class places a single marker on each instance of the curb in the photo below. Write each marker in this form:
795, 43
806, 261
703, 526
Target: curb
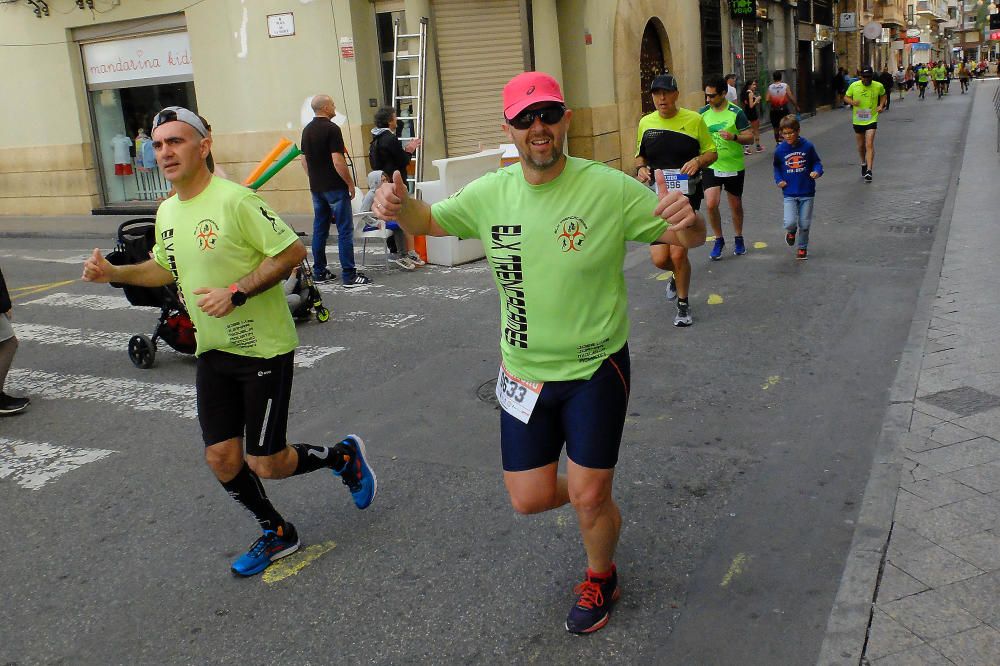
847, 627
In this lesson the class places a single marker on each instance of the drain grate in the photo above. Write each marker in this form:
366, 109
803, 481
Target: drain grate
965, 401
922, 229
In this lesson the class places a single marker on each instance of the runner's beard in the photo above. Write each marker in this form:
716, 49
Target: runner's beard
540, 164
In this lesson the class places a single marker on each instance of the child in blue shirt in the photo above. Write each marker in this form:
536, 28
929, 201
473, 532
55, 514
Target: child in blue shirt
796, 168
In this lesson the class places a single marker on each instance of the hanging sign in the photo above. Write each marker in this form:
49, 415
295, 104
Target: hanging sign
743, 8
138, 58
347, 48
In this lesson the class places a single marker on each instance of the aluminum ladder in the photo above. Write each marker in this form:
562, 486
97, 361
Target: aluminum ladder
409, 70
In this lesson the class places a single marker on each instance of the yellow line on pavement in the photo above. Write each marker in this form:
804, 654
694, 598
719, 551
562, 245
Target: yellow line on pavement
735, 569
291, 565
28, 291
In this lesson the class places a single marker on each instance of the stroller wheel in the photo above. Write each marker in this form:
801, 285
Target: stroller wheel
322, 314
141, 351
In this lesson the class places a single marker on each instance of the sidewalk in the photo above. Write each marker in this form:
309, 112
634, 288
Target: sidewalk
927, 546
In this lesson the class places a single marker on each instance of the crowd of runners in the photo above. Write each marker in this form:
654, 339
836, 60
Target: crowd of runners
552, 226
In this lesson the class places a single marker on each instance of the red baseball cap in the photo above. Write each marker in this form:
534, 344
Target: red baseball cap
529, 88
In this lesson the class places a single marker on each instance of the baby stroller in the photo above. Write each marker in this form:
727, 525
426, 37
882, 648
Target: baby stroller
135, 241
302, 294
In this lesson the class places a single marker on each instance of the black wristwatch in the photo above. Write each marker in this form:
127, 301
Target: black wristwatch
237, 297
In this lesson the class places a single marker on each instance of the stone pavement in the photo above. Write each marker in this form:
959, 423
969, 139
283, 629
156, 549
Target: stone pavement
929, 545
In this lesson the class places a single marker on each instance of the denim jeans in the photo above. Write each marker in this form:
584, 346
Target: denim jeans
799, 214
335, 206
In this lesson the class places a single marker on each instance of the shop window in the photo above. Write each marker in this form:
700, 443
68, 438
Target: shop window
123, 119
711, 39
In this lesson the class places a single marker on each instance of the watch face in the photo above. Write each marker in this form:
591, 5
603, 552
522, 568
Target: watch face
238, 298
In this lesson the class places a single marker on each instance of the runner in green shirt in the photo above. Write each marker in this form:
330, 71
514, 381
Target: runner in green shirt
229, 254
922, 77
868, 98
554, 229
731, 131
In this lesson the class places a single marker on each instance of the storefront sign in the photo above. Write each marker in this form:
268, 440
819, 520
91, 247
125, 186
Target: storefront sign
921, 46
848, 21
742, 8
995, 36
912, 40
138, 58
913, 32
347, 48
280, 25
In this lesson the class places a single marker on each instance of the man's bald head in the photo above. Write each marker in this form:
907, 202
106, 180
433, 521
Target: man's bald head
322, 105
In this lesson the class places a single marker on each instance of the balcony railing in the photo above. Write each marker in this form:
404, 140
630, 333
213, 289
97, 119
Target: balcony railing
938, 9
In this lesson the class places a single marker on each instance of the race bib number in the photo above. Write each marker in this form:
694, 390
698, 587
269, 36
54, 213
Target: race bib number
516, 396
724, 174
675, 180
864, 114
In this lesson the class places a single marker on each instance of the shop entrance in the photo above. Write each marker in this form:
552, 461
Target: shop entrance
128, 82
123, 120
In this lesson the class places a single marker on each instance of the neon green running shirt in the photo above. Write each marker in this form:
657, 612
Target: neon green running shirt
212, 241
868, 96
557, 253
730, 119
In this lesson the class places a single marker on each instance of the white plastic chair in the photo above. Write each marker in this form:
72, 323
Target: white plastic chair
378, 235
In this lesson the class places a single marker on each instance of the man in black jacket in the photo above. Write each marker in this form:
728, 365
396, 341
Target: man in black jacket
8, 345
388, 155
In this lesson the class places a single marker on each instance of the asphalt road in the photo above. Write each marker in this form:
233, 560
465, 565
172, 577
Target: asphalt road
746, 452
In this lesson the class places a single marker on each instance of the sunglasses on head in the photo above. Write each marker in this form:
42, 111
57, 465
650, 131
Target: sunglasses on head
549, 115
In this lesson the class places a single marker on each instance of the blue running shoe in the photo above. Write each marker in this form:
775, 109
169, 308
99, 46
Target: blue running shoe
716, 252
357, 475
596, 597
271, 546
739, 248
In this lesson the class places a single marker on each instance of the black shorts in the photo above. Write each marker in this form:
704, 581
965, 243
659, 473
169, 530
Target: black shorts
243, 396
776, 115
861, 129
731, 184
588, 415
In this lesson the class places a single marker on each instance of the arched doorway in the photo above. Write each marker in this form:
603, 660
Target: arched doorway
654, 58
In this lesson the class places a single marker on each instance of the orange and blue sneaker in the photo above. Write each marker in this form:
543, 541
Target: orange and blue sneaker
595, 598
357, 474
270, 546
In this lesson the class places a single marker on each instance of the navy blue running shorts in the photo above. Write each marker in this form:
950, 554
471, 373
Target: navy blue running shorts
588, 415
244, 396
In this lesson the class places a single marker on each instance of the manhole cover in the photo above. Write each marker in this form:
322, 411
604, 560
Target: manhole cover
488, 393
965, 401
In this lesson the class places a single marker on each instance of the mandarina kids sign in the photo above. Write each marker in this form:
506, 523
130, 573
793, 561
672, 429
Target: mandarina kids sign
137, 59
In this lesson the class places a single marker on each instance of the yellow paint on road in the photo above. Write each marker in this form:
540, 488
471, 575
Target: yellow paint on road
36, 288
665, 275
561, 521
735, 569
759, 245
771, 381
709, 239
714, 299
291, 565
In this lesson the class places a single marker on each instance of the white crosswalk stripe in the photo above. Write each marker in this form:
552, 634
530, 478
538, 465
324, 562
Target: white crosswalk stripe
306, 356
176, 399
76, 259
382, 320
33, 464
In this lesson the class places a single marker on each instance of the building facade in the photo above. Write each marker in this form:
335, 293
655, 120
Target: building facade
87, 83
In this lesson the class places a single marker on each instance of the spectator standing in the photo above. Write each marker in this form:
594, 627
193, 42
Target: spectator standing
8, 347
332, 188
732, 94
388, 155
751, 107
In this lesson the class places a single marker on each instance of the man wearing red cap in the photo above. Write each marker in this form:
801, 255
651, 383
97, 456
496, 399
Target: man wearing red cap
554, 230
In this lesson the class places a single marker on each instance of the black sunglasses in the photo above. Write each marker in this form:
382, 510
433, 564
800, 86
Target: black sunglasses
549, 115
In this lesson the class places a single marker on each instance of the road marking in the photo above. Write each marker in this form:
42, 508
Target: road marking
709, 238
75, 259
95, 302
737, 568
32, 464
293, 564
771, 381
41, 288
386, 320
306, 356
174, 399
714, 299
450, 293
665, 275
759, 245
